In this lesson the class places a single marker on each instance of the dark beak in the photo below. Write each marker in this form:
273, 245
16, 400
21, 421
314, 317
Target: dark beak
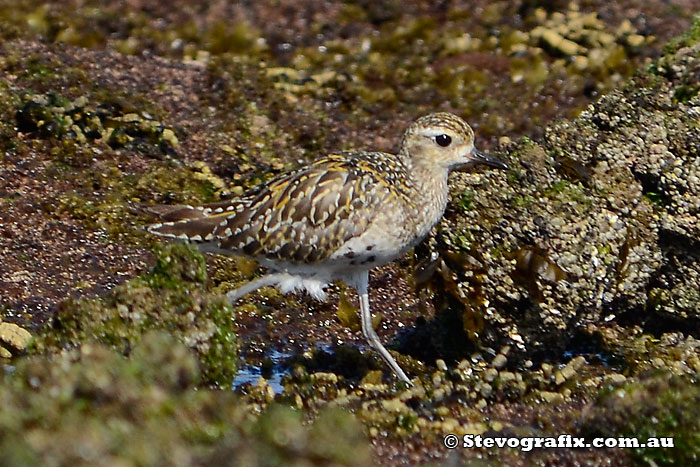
478, 157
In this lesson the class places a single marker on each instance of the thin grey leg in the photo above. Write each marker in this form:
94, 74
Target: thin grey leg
368, 332
270, 279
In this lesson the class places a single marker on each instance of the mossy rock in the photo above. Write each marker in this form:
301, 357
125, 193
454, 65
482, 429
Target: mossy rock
170, 297
94, 406
53, 116
660, 405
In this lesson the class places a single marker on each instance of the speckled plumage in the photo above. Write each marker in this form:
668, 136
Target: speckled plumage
300, 217
339, 216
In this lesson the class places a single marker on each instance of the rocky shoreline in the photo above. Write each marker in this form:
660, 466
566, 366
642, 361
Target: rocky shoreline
564, 296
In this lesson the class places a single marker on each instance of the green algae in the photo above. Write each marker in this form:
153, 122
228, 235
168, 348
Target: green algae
105, 199
406, 65
685, 93
126, 29
87, 141
466, 200
399, 60
660, 405
687, 39
93, 405
657, 199
170, 297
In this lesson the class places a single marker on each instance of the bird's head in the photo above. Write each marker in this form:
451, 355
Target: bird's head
446, 141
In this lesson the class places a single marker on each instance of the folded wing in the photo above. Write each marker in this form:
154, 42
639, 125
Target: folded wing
301, 217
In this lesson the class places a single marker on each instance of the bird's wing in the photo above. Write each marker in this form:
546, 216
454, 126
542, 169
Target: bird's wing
302, 217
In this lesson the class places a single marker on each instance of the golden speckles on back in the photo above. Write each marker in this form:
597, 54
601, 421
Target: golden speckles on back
303, 216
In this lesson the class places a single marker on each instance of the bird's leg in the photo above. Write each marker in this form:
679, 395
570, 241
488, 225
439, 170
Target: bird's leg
360, 282
269, 279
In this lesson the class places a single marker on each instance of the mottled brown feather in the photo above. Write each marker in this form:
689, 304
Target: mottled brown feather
303, 216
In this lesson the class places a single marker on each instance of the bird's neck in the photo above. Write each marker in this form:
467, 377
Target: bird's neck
432, 192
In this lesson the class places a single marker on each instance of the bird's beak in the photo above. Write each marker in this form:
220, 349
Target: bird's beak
477, 157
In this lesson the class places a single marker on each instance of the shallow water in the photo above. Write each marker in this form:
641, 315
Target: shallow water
250, 374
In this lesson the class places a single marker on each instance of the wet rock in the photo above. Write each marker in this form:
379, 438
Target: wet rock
614, 378
551, 397
557, 42
56, 117
490, 374
441, 365
568, 239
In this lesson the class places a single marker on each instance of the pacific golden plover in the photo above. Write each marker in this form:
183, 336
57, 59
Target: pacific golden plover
338, 217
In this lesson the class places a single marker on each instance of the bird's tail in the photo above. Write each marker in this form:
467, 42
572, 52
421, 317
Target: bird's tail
194, 223
174, 213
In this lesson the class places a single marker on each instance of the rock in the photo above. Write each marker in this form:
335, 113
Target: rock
569, 370
547, 370
635, 40
14, 338
499, 361
559, 43
551, 397
170, 297
485, 389
490, 374
507, 377
614, 378
581, 62
601, 217
659, 403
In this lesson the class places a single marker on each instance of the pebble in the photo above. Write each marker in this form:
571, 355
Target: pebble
490, 374
551, 397
569, 370
499, 361
615, 378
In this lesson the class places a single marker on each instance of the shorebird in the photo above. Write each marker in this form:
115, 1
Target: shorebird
338, 217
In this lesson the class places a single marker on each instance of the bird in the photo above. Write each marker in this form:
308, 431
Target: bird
338, 217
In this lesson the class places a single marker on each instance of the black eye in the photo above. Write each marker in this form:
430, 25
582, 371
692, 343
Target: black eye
443, 140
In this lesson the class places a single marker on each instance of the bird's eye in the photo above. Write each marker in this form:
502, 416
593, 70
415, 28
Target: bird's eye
443, 140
